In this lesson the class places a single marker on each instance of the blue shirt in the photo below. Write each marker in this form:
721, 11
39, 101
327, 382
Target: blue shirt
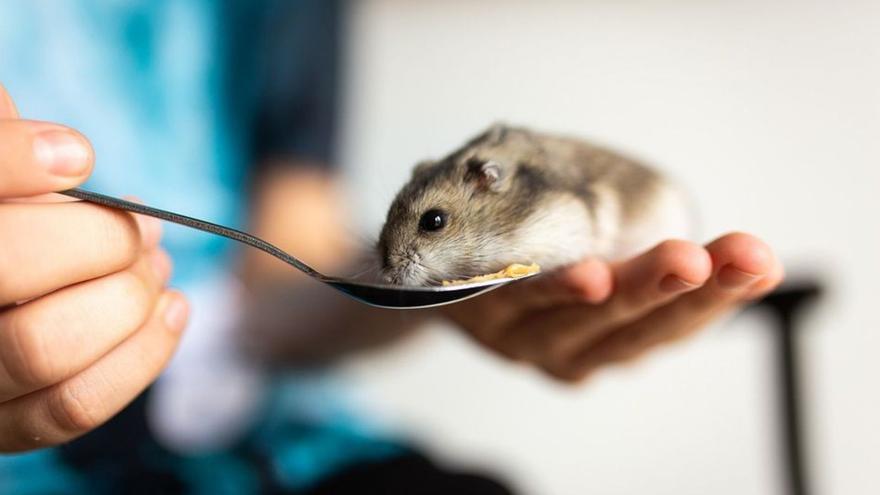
179, 98
182, 101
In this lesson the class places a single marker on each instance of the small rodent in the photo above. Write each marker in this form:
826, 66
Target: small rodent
512, 195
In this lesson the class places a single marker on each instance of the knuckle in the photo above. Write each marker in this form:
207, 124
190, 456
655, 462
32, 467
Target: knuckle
132, 296
135, 291
8, 281
72, 409
26, 358
119, 230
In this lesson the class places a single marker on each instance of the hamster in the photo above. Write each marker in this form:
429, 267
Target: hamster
512, 195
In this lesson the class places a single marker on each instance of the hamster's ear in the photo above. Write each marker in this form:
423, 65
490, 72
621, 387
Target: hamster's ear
496, 133
493, 136
489, 175
422, 167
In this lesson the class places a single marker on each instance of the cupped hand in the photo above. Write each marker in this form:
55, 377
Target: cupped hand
86, 322
578, 319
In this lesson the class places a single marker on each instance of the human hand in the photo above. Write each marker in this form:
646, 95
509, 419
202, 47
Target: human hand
576, 320
85, 321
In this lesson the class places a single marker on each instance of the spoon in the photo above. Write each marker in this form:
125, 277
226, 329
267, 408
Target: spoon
379, 295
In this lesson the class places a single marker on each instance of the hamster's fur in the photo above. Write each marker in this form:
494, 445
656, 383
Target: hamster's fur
512, 195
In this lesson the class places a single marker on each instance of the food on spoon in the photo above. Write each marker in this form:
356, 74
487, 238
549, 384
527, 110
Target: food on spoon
515, 270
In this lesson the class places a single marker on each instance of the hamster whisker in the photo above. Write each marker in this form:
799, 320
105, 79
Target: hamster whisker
368, 271
363, 262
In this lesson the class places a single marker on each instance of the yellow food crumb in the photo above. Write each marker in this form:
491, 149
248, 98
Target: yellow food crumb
515, 270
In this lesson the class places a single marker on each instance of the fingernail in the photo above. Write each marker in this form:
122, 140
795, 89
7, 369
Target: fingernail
176, 313
161, 263
62, 152
673, 284
730, 277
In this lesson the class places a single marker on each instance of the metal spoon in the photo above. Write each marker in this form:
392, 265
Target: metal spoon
379, 295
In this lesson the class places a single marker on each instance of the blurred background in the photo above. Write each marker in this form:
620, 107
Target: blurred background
769, 113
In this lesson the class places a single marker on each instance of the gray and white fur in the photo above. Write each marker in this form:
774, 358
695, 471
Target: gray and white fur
511, 195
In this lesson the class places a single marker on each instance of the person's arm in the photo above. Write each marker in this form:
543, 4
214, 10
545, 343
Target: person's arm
290, 318
86, 320
295, 202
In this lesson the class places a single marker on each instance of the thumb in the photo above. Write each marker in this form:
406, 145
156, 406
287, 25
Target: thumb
41, 157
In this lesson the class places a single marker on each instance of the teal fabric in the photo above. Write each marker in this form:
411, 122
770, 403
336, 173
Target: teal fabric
291, 449
180, 99
38, 473
144, 81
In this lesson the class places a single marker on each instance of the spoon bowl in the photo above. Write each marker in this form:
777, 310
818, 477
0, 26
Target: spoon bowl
403, 297
379, 295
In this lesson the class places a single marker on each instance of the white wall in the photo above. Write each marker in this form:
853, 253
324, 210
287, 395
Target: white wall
769, 113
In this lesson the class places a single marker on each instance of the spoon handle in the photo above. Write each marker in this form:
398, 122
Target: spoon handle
194, 223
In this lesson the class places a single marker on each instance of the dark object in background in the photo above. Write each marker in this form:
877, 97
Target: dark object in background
410, 474
786, 304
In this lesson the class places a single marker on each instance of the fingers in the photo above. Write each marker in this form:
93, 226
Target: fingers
670, 268
642, 283
40, 157
566, 323
768, 283
7, 107
587, 281
742, 265
54, 337
65, 243
488, 317
86, 400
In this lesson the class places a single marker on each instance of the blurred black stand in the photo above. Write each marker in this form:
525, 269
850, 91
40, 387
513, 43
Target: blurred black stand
786, 305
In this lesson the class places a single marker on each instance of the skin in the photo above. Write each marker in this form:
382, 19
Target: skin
592, 314
84, 330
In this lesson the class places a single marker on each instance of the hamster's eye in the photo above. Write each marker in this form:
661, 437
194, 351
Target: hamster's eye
432, 220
